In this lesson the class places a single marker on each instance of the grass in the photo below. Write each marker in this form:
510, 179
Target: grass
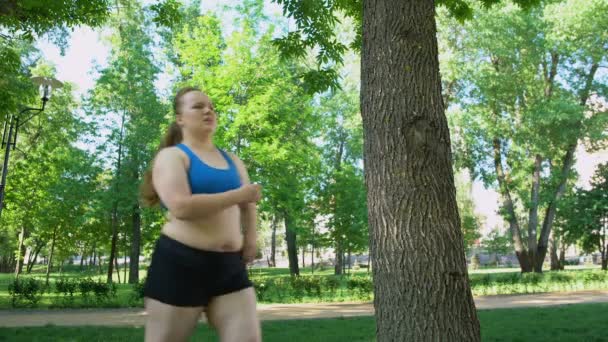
583, 322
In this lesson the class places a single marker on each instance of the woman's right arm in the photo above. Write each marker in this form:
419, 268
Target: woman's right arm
171, 184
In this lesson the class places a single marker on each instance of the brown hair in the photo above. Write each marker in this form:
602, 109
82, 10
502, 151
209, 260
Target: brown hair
173, 137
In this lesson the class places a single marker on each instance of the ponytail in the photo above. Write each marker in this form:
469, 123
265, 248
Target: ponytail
148, 194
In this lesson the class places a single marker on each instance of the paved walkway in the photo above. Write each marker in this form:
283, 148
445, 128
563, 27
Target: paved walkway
136, 317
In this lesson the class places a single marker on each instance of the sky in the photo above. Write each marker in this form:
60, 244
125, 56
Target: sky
86, 49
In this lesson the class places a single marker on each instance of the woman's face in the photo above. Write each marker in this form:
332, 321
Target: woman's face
197, 114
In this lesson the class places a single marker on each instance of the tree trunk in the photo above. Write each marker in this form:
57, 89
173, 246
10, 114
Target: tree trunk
604, 244
49, 265
273, 242
292, 248
421, 284
312, 259
113, 251
124, 266
303, 256
553, 247
135, 246
117, 269
94, 256
349, 261
83, 256
32, 262
520, 251
565, 172
21, 250
543, 241
339, 259
533, 215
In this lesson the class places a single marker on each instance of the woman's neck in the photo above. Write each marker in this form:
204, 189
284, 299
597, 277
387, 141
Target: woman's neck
200, 143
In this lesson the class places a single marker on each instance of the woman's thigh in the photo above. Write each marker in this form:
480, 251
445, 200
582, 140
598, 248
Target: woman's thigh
170, 323
234, 316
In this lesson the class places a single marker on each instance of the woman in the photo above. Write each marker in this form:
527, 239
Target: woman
199, 260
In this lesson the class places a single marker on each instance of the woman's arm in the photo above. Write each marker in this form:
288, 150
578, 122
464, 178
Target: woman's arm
248, 210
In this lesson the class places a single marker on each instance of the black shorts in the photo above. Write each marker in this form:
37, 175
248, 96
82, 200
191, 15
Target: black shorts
181, 275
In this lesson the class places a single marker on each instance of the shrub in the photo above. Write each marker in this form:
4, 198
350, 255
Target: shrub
25, 290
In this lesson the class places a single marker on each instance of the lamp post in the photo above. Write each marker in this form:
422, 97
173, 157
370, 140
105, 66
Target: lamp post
11, 127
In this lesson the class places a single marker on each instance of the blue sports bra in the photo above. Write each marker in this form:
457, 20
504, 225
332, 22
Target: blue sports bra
205, 179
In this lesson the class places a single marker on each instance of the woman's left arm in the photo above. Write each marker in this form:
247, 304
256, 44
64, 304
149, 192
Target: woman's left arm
248, 215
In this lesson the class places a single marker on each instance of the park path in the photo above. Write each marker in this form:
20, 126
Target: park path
136, 317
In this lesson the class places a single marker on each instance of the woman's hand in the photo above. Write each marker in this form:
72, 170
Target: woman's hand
249, 251
250, 193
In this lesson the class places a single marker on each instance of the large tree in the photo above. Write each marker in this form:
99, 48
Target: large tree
125, 102
587, 219
265, 114
527, 102
413, 218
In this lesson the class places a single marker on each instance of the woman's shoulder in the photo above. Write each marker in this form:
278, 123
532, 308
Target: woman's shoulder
171, 154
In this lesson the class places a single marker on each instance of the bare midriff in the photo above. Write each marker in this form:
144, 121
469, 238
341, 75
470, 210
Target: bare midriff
220, 232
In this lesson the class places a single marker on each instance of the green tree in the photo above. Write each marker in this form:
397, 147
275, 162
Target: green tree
588, 219
125, 94
470, 222
524, 99
265, 115
408, 161
342, 192
496, 244
51, 179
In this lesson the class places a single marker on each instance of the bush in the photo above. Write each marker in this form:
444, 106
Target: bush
138, 290
102, 290
86, 287
25, 290
66, 287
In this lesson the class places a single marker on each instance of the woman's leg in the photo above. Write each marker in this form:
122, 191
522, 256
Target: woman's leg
170, 323
234, 316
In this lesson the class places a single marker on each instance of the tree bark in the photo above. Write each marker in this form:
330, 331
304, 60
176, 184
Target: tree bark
126, 252
339, 259
135, 246
117, 269
32, 262
543, 241
113, 251
83, 256
421, 284
567, 164
21, 249
533, 215
348, 260
49, 265
113, 243
303, 256
292, 249
312, 259
94, 255
273, 242
520, 251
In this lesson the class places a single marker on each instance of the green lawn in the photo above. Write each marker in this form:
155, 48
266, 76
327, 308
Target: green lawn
585, 322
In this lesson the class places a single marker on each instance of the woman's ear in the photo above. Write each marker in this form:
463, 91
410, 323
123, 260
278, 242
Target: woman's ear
179, 120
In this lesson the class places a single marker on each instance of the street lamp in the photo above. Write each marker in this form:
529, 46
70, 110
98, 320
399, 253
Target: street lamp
9, 136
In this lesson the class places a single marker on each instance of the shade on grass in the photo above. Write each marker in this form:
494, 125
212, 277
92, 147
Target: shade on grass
582, 322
